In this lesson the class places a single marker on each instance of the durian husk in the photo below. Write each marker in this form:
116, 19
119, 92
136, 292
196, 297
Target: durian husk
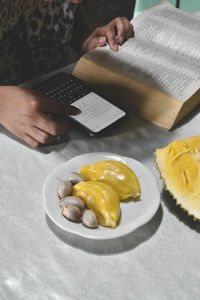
179, 167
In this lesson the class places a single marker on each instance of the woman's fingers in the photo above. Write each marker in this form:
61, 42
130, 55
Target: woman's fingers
115, 32
124, 29
51, 127
41, 136
93, 42
45, 132
43, 129
120, 30
25, 113
111, 38
46, 104
30, 141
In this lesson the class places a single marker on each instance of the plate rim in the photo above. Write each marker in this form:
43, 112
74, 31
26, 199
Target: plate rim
142, 220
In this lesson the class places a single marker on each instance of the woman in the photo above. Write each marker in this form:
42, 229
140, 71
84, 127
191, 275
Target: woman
34, 39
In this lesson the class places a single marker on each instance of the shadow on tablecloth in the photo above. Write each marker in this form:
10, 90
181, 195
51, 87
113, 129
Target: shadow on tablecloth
177, 211
114, 246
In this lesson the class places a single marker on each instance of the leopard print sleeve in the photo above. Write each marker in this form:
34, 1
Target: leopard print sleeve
11, 10
34, 37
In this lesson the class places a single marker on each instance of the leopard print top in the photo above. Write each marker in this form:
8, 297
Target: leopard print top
34, 37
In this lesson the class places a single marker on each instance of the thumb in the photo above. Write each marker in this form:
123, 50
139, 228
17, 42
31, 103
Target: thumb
94, 42
63, 109
48, 105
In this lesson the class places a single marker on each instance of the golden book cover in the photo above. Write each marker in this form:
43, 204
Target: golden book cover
155, 74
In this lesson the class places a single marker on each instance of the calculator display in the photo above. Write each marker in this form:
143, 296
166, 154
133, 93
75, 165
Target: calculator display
96, 112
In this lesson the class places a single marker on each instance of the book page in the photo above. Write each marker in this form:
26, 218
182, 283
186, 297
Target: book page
159, 56
170, 28
151, 66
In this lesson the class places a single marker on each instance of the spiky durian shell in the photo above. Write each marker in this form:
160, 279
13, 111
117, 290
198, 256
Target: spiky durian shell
187, 150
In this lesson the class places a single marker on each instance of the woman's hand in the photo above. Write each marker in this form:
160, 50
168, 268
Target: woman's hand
116, 32
24, 112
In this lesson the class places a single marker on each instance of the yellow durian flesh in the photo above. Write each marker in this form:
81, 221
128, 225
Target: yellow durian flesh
116, 174
102, 199
179, 166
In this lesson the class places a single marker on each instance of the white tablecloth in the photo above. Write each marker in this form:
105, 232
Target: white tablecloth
38, 261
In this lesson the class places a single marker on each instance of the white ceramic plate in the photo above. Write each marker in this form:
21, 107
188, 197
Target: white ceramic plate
133, 214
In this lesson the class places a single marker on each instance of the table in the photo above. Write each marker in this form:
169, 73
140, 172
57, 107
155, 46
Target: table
38, 261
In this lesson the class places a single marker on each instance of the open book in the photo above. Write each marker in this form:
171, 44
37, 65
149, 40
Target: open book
156, 74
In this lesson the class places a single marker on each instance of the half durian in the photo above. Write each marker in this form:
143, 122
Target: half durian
179, 166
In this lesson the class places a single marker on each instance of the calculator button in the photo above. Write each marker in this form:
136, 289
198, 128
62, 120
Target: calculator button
63, 88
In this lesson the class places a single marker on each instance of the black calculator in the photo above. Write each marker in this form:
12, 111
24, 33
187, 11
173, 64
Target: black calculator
63, 87
97, 114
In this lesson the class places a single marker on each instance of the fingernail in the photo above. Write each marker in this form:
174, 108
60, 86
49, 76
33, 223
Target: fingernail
115, 47
76, 110
120, 39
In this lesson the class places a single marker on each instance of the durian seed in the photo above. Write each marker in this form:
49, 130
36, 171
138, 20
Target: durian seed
89, 218
75, 178
72, 200
64, 189
72, 213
